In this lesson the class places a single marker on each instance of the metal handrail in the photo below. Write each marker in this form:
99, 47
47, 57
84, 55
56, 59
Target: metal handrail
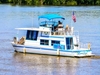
81, 45
63, 32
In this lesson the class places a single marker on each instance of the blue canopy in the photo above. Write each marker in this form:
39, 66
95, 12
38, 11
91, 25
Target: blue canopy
51, 16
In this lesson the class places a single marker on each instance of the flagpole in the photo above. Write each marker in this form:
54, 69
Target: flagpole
71, 18
71, 21
74, 20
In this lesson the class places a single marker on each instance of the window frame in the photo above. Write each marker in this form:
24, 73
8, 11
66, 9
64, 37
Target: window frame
32, 35
44, 42
54, 42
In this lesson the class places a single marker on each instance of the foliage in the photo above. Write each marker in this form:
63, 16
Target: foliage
98, 2
71, 2
52, 2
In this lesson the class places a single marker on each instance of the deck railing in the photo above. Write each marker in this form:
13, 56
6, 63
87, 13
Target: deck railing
78, 46
83, 45
64, 32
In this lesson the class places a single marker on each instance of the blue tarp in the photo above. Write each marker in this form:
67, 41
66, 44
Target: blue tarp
59, 46
51, 16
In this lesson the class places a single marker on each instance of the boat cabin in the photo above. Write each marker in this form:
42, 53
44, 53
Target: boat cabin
51, 33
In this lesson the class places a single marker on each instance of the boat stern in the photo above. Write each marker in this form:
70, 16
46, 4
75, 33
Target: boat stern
84, 53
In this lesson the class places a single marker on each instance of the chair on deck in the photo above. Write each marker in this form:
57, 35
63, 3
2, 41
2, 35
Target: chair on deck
21, 41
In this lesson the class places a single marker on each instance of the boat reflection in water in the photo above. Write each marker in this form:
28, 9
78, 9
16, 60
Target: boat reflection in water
45, 65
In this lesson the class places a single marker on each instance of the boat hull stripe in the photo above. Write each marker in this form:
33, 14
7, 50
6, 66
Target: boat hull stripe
50, 49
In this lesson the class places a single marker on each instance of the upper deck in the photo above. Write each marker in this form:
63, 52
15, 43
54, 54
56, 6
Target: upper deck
50, 20
52, 24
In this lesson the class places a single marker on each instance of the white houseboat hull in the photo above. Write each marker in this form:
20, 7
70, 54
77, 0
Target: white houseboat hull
37, 50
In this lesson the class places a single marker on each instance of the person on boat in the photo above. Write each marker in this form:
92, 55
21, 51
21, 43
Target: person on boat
21, 41
66, 29
89, 46
59, 22
60, 28
15, 40
69, 30
59, 25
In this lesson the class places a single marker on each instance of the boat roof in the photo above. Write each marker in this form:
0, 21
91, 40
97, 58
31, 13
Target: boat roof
36, 29
51, 16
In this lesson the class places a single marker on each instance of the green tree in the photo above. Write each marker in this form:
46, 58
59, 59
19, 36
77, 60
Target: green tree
62, 2
21, 2
3, 1
15, 2
80, 2
38, 2
10, 1
98, 2
87, 2
71, 2
52, 2
55, 2
94, 2
29, 2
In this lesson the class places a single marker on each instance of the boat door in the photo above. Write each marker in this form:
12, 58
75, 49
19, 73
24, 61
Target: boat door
69, 43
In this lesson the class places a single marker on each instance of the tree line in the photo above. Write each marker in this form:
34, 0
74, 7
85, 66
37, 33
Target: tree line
52, 2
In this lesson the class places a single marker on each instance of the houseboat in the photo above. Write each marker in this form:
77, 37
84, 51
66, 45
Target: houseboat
50, 38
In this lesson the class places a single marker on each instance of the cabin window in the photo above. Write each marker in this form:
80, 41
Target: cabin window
44, 42
69, 43
54, 42
31, 35
45, 34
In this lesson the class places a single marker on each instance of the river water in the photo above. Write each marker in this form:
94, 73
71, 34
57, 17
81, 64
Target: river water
88, 25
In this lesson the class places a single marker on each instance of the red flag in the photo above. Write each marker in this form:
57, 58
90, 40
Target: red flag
74, 17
